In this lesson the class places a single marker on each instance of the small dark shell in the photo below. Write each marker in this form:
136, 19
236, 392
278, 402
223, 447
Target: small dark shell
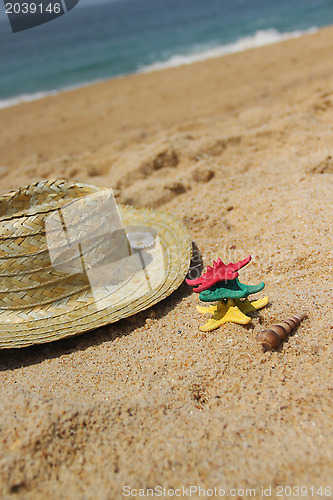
273, 336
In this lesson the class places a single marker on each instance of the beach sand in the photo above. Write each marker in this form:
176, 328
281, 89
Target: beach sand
241, 149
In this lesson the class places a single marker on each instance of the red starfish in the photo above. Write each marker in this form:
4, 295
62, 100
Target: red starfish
219, 272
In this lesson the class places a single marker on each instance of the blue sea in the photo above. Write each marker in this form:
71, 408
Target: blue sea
97, 41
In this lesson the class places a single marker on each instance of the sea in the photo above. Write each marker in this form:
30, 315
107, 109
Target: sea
98, 41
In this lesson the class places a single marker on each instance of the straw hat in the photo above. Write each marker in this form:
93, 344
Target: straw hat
71, 261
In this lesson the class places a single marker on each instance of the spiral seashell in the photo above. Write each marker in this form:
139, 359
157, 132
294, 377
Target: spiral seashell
273, 336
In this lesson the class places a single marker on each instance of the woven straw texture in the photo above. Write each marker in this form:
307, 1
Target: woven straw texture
39, 303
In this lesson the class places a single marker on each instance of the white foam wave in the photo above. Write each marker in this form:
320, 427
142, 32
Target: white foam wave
259, 39
14, 101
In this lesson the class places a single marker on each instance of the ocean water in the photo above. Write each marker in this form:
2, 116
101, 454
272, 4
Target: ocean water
99, 41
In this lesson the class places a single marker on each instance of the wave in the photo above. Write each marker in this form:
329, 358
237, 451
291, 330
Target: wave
35, 96
258, 39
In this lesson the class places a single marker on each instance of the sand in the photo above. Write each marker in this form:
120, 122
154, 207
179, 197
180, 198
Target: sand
240, 149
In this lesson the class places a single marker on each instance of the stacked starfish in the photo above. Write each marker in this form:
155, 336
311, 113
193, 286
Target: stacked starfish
220, 283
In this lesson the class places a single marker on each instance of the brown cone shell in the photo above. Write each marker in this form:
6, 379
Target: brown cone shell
273, 336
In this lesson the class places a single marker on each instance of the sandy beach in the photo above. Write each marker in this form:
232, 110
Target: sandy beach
240, 148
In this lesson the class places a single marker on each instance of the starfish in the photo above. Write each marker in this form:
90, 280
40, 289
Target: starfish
219, 272
231, 289
232, 310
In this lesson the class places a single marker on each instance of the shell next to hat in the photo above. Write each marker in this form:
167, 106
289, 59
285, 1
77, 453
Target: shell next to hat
68, 264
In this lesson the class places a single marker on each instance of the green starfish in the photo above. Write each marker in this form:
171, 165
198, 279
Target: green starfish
231, 289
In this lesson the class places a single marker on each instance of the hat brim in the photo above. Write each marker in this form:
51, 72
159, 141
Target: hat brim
176, 248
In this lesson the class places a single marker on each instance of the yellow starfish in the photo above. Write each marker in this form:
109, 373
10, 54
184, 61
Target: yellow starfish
233, 310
